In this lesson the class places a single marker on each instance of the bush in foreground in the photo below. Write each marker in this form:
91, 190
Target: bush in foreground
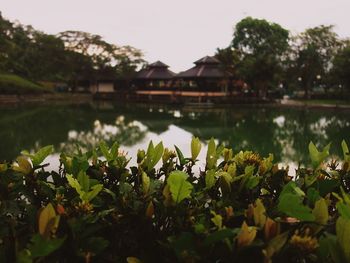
238, 208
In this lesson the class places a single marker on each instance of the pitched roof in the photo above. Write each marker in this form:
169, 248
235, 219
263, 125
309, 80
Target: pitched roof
157, 71
206, 67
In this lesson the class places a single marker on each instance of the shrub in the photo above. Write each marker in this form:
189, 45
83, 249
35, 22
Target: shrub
238, 208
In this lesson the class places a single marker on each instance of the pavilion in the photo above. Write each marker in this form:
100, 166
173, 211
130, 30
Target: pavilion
155, 76
207, 75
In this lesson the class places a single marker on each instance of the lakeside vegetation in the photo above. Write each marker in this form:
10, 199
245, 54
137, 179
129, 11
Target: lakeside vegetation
13, 84
263, 55
238, 207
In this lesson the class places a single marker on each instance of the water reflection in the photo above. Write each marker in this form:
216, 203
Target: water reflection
284, 132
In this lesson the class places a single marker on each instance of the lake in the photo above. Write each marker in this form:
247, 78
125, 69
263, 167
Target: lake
285, 132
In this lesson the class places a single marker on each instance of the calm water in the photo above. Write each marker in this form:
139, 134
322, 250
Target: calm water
283, 132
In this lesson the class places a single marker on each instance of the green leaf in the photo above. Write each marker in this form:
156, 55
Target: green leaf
145, 183
291, 205
320, 211
180, 155
346, 152
105, 151
179, 187
329, 248
84, 181
216, 219
210, 179
344, 210
318, 157
218, 236
252, 182
195, 148
312, 195
93, 193
157, 154
292, 188
41, 247
74, 184
40, 155
211, 158
24, 256
343, 236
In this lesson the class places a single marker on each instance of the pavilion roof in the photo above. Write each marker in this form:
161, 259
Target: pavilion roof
206, 67
157, 71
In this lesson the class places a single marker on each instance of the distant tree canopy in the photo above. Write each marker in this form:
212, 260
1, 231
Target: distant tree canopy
261, 46
265, 55
66, 57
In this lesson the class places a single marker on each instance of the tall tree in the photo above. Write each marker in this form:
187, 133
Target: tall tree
262, 47
341, 67
313, 51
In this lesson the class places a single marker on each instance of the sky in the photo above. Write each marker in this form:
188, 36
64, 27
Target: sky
176, 32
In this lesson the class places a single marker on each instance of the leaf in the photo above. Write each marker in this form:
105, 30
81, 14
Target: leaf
48, 221
158, 152
180, 155
246, 236
3, 167
105, 151
320, 212
312, 195
292, 188
41, 247
23, 165
40, 155
74, 184
24, 256
218, 236
133, 260
195, 148
210, 179
328, 246
95, 190
179, 187
275, 245
84, 181
346, 152
216, 219
344, 210
318, 157
211, 154
150, 210
145, 183
343, 236
259, 213
291, 205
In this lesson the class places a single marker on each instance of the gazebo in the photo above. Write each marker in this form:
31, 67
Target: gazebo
207, 75
155, 76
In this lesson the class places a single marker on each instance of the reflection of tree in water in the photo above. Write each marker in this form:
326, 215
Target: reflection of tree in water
283, 132
127, 133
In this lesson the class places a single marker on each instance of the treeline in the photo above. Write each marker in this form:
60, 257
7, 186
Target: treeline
67, 57
267, 56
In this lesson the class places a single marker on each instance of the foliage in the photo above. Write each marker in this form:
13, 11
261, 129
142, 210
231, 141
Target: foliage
341, 67
68, 57
13, 84
261, 45
238, 208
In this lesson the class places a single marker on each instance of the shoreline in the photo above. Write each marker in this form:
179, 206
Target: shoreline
83, 98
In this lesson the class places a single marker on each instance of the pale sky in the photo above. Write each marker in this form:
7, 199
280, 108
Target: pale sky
176, 32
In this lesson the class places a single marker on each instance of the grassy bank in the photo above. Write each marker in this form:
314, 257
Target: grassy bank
13, 84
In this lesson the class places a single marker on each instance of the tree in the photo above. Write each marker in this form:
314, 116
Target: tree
262, 47
313, 51
341, 67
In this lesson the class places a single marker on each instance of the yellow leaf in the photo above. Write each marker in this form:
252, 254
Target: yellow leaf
168, 201
259, 213
246, 236
133, 260
48, 221
217, 220
22, 165
150, 210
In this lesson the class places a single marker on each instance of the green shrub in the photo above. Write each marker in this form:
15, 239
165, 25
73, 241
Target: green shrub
238, 208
